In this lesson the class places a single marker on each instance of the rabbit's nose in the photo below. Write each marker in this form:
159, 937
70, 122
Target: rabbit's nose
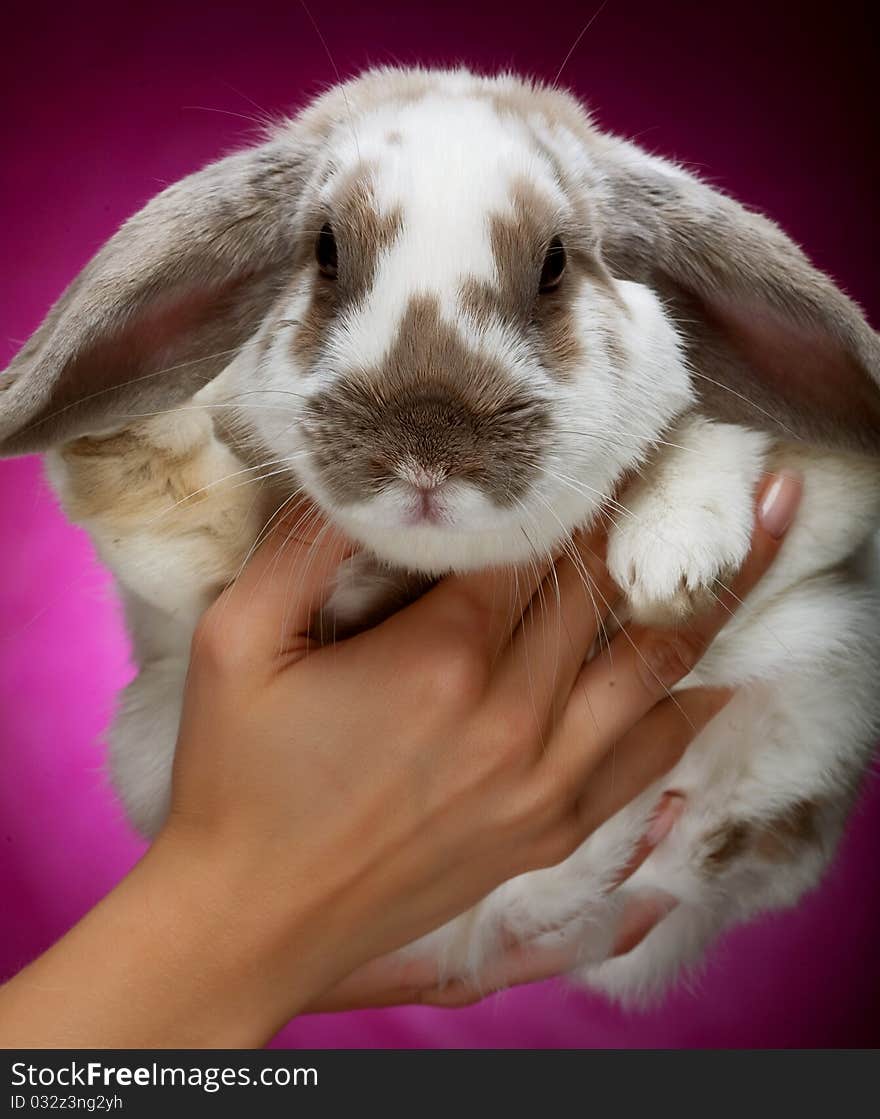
424, 479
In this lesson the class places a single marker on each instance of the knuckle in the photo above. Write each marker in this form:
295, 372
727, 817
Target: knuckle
515, 732
538, 804
453, 672
499, 754
206, 640
667, 658
213, 640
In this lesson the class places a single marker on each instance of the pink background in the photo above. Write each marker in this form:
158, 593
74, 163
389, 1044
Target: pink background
106, 104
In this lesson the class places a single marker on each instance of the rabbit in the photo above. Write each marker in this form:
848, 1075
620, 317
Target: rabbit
457, 316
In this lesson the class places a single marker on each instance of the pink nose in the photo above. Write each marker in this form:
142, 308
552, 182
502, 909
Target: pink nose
426, 489
424, 480
426, 486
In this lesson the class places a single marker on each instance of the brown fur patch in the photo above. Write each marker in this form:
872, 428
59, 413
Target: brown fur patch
433, 400
164, 480
797, 826
362, 234
128, 477
519, 240
777, 840
529, 102
381, 87
312, 328
725, 845
340, 106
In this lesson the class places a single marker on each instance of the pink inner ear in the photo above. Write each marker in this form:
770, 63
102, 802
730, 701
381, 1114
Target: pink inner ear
190, 333
807, 379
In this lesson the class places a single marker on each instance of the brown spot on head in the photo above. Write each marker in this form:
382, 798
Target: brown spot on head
312, 328
433, 401
520, 239
389, 85
341, 106
519, 242
532, 102
394, 138
362, 234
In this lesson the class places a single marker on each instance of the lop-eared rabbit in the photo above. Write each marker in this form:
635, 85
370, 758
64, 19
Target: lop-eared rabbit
455, 315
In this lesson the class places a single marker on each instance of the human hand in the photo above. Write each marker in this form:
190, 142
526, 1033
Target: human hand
332, 804
385, 784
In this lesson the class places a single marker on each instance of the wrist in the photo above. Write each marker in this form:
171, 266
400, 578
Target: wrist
263, 942
179, 955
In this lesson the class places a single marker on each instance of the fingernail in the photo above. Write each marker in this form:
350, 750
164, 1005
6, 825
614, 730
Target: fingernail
639, 917
668, 811
779, 504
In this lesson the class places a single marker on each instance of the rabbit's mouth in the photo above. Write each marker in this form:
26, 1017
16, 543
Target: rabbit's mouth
454, 528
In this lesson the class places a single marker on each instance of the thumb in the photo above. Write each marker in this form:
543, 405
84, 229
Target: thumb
290, 575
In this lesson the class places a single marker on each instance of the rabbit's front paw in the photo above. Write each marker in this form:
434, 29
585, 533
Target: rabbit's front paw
688, 523
668, 562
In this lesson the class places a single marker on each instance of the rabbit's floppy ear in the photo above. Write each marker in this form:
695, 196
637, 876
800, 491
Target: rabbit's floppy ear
162, 307
771, 341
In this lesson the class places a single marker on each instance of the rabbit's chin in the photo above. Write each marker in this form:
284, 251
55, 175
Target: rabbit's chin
435, 550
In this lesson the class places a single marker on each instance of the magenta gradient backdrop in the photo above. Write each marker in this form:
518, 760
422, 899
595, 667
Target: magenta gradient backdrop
104, 105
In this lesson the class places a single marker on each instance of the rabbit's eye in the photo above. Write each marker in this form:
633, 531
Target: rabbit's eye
325, 252
554, 266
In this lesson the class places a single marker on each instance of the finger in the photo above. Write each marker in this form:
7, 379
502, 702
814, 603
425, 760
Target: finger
556, 634
642, 664
395, 981
663, 821
532, 964
647, 752
640, 916
518, 965
485, 607
268, 607
386, 981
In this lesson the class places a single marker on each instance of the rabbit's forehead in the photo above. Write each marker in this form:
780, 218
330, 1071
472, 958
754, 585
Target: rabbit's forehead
441, 165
